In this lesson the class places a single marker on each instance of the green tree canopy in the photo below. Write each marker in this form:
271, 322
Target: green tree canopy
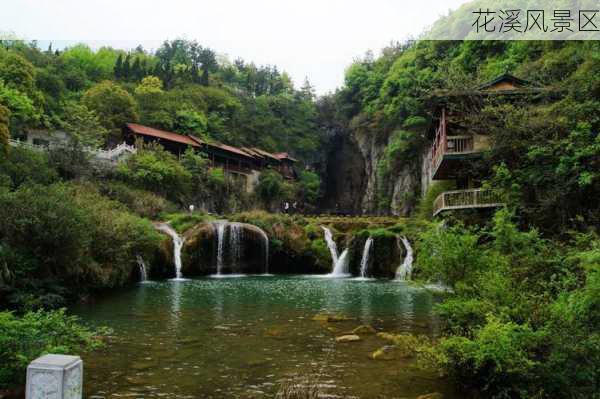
113, 105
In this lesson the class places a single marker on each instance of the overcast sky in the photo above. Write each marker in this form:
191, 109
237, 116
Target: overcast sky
313, 38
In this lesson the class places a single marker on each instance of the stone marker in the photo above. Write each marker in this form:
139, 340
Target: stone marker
55, 377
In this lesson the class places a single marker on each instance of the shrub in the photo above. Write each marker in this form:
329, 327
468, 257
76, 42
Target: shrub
270, 186
68, 235
451, 254
499, 360
141, 202
152, 168
23, 339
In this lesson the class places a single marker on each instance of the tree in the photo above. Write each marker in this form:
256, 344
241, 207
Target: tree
113, 105
16, 71
136, 70
157, 170
4, 132
270, 186
83, 125
127, 67
209, 64
191, 122
118, 70
23, 111
310, 186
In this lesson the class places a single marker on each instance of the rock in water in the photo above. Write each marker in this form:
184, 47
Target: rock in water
364, 330
347, 338
330, 318
435, 395
384, 353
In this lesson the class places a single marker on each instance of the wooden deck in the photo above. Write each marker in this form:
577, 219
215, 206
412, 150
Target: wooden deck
466, 199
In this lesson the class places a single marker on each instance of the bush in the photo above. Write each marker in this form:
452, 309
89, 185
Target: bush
270, 186
499, 360
68, 235
154, 169
21, 165
23, 339
181, 222
141, 202
451, 254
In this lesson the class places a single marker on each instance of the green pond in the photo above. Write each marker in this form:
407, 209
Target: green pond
242, 337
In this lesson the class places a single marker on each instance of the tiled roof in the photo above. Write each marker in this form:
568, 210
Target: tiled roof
149, 131
197, 142
285, 155
265, 153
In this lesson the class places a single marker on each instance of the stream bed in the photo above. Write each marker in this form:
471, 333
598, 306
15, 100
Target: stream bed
242, 337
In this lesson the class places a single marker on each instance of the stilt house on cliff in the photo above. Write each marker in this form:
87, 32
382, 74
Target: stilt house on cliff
460, 139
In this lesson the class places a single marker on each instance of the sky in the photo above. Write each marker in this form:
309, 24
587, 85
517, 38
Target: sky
317, 39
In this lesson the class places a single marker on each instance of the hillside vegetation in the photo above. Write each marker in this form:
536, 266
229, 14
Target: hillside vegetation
181, 87
549, 145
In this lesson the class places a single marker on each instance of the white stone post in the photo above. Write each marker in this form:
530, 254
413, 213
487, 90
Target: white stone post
55, 377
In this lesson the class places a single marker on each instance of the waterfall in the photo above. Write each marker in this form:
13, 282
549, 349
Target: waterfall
177, 245
233, 250
220, 245
143, 268
331, 244
364, 262
405, 270
340, 269
235, 244
265, 238
339, 263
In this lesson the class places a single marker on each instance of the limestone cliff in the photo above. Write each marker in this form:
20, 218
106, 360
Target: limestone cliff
353, 184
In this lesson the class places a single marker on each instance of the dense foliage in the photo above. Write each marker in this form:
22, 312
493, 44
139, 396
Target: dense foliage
182, 87
23, 339
58, 235
522, 320
549, 141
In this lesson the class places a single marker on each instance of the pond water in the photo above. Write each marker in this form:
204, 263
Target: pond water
242, 337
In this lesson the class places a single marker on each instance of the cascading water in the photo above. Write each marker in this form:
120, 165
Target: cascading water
364, 262
143, 268
265, 238
331, 244
220, 226
404, 272
235, 244
177, 245
340, 269
340, 263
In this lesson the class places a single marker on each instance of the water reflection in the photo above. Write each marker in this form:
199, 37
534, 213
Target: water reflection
215, 338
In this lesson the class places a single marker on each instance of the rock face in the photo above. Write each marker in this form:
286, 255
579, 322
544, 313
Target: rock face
385, 256
346, 176
244, 254
353, 184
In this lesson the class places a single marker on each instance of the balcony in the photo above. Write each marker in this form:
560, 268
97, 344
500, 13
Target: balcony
466, 199
449, 152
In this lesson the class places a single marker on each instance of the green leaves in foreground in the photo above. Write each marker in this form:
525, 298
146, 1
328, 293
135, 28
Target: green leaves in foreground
22, 339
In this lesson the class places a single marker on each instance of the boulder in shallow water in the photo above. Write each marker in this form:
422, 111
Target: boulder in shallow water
347, 338
387, 352
330, 317
364, 330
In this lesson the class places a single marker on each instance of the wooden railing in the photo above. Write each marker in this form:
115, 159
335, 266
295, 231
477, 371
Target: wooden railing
444, 144
465, 199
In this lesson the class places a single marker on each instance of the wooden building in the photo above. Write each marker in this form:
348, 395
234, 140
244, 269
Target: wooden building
240, 162
459, 139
